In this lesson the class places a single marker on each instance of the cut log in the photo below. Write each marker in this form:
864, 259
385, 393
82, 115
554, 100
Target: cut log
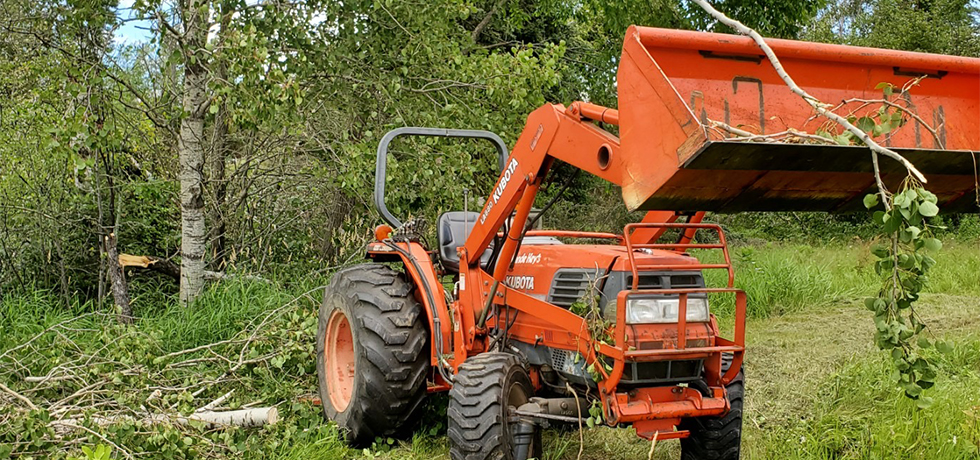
244, 417
249, 418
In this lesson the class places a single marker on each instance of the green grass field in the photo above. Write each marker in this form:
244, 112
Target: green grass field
816, 386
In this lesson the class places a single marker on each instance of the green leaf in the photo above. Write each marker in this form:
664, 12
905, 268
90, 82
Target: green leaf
924, 402
924, 343
885, 127
928, 209
879, 217
865, 124
912, 390
870, 200
927, 195
892, 223
932, 244
901, 201
943, 347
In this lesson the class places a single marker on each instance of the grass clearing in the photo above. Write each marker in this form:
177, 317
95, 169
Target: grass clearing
818, 389
789, 278
816, 386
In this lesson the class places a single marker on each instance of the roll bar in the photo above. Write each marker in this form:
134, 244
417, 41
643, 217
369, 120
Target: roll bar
380, 172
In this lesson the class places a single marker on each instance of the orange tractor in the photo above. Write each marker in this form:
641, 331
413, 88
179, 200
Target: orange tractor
493, 314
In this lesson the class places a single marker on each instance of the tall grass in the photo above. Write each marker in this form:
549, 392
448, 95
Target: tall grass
785, 278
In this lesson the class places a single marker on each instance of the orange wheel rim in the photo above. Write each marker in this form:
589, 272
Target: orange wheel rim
339, 362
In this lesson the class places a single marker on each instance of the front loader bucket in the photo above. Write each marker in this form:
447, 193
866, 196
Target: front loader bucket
673, 84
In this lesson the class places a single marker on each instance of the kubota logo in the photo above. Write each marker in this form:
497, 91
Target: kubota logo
504, 180
524, 283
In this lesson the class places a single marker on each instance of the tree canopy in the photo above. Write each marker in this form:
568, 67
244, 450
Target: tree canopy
295, 97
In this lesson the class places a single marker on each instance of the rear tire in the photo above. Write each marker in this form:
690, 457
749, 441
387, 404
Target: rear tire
371, 353
717, 438
484, 390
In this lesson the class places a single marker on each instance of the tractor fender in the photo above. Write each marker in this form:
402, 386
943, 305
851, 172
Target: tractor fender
422, 273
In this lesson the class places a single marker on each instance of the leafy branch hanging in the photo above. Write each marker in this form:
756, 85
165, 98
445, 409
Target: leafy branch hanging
906, 222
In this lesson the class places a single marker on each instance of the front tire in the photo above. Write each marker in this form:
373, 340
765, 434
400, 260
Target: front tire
371, 353
717, 438
484, 390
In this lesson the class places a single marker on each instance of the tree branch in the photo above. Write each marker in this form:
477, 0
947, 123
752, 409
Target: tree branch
485, 21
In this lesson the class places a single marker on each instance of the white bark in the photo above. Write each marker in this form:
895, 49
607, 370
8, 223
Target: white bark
190, 148
244, 417
256, 417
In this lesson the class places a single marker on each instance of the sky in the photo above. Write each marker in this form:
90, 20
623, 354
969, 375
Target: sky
131, 32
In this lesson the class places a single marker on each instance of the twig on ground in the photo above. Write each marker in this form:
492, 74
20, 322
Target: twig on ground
18, 396
71, 424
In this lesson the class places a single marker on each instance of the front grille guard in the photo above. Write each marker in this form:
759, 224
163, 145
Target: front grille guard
712, 355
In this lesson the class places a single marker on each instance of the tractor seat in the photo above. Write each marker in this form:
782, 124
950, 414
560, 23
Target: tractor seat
455, 226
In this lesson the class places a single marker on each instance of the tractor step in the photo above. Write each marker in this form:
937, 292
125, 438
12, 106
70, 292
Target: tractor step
659, 429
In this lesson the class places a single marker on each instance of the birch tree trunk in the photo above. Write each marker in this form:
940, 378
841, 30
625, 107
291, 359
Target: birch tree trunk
190, 147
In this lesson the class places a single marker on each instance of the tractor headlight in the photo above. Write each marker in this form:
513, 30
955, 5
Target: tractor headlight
664, 310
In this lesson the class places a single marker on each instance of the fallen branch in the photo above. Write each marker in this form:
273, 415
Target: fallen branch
72, 425
218, 276
18, 396
581, 436
653, 445
79, 401
216, 403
